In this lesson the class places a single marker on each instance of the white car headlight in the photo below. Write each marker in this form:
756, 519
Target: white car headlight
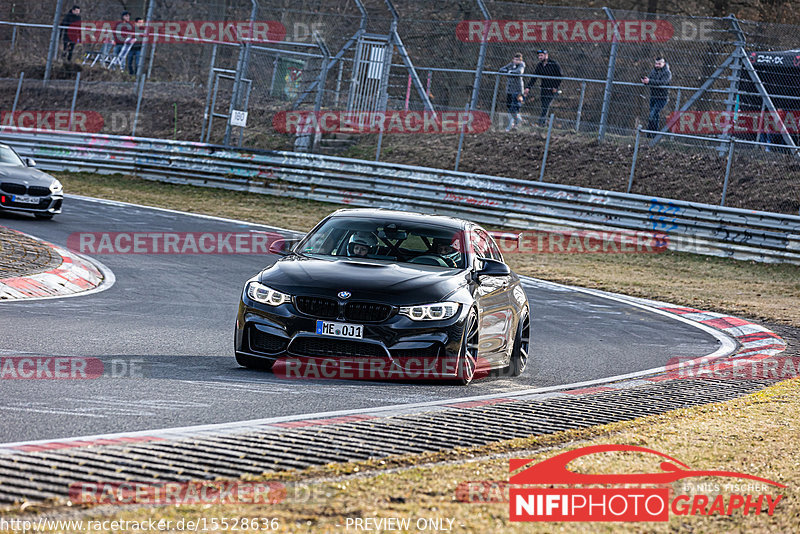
430, 312
266, 295
56, 187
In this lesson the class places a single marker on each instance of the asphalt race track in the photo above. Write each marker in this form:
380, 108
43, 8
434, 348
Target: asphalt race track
170, 318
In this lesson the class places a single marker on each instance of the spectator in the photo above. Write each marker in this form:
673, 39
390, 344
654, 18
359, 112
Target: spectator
658, 80
136, 49
549, 85
514, 87
122, 30
69, 35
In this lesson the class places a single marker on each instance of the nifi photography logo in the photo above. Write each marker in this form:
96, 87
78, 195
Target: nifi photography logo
627, 497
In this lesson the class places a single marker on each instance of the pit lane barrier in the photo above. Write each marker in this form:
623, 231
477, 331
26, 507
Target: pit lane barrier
494, 200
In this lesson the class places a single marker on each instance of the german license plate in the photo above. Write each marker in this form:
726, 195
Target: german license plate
351, 331
24, 199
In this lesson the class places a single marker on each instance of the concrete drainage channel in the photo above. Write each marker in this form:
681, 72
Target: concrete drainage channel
37, 471
37, 476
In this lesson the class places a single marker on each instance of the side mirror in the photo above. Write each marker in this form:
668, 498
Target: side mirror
30, 162
282, 247
493, 268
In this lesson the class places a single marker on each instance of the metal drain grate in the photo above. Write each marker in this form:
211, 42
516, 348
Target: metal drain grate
38, 476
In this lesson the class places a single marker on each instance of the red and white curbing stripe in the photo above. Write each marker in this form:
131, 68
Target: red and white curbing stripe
755, 342
75, 275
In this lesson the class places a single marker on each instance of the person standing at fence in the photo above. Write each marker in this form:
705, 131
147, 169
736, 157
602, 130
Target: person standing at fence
136, 49
550, 73
658, 80
514, 86
70, 31
122, 30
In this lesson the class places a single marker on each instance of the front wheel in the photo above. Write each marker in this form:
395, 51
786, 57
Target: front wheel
519, 354
468, 355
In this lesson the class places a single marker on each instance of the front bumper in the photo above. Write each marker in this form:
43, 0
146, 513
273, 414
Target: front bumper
397, 345
47, 204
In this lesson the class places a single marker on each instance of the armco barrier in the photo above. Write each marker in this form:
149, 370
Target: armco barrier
492, 200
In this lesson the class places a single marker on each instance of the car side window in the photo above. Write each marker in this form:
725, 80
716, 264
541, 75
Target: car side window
480, 243
495, 250
484, 245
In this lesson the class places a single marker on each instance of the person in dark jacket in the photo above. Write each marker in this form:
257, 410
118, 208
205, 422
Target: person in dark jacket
550, 73
122, 30
136, 50
70, 31
514, 86
658, 80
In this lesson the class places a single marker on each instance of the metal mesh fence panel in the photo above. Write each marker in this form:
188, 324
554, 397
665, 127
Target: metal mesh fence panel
191, 87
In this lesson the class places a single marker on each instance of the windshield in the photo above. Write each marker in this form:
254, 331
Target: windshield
9, 157
387, 240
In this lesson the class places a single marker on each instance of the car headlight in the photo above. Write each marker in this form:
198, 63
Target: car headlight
266, 295
56, 187
430, 312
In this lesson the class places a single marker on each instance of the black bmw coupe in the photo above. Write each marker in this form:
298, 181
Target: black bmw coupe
382, 294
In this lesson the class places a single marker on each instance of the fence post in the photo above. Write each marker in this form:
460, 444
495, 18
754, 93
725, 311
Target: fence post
461, 138
74, 98
678, 102
476, 84
494, 97
51, 52
150, 61
237, 80
580, 108
383, 88
138, 105
16, 96
215, 91
323, 76
635, 156
148, 18
338, 84
612, 62
546, 146
208, 90
13, 37
731, 145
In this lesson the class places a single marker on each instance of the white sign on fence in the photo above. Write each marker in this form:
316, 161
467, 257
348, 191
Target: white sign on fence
239, 118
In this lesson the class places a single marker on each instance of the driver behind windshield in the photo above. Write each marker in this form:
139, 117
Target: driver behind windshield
444, 248
361, 245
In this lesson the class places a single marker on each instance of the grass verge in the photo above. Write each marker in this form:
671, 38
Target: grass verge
755, 434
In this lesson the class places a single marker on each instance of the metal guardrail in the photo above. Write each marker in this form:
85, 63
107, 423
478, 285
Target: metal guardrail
492, 200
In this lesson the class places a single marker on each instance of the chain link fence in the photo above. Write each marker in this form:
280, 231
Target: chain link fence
718, 138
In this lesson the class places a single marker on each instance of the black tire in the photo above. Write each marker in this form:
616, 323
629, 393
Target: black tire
43, 216
252, 362
468, 355
522, 343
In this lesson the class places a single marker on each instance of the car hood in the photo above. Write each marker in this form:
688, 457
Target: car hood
9, 173
397, 284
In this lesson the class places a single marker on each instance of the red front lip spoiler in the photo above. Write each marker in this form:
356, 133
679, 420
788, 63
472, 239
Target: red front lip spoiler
554, 470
